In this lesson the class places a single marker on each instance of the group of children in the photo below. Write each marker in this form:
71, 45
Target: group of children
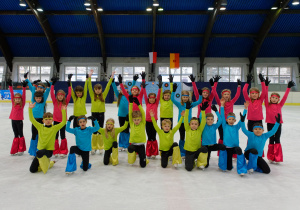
197, 134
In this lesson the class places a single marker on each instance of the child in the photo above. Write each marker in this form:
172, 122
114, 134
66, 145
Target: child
58, 101
79, 99
185, 97
166, 104
209, 136
137, 135
83, 146
122, 103
18, 102
272, 109
256, 144
167, 146
46, 141
231, 141
193, 139
98, 109
152, 105
110, 134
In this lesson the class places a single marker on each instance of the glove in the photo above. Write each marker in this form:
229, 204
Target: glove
192, 78
143, 84
174, 87
120, 78
91, 118
54, 80
239, 82
87, 76
171, 78
24, 83
277, 118
143, 74
36, 81
242, 117
70, 76
135, 77
9, 82
291, 84
127, 118
130, 99
25, 75
211, 82
261, 77
249, 78
71, 118
136, 101
159, 77
267, 82
214, 108
204, 106
200, 91
48, 83
217, 78
160, 83
188, 105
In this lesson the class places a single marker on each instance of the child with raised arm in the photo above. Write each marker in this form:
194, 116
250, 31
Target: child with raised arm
137, 139
98, 109
209, 134
58, 101
18, 102
152, 102
83, 146
166, 104
47, 132
193, 139
256, 143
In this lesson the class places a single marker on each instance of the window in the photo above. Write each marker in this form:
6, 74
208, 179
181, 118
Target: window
1, 72
180, 75
277, 75
127, 72
79, 72
35, 72
228, 73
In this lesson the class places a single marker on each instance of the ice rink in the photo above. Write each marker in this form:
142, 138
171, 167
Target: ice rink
131, 187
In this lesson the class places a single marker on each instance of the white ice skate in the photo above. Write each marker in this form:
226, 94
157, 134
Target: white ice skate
121, 149
20, 153
202, 167
69, 173
250, 171
63, 155
175, 165
101, 151
242, 174
93, 152
56, 155
153, 156
124, 149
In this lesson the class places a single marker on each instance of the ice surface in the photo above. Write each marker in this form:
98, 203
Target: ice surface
131, 187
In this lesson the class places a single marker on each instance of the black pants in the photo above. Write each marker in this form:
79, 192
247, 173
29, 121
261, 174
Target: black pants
140, 149
161, 119
122, 122
275, 139
17, 126
261, 163
62, 131
220, 129
190, 157
85, 155
108, 152
35, 163
230, 152
34, 131
182, 131
151, 132
214, 147
100, 118
165, 155
251, 123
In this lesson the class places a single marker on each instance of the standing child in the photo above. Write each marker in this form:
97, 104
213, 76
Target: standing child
166, 104
18, 102
272, 109
83, 146
152, 105
58, 101
98, 110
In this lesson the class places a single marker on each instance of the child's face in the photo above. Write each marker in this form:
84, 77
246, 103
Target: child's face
38, 99
231, 120
79, 94
17, 100
82, 123
38, 88
226, 96
258, 131
209, 121
152, 100
137, 121
254, 95
48, 121
194, 124
60, 97
274, 99
166, 127
167, 97
98, 91
135, 91
205, 94
185, 99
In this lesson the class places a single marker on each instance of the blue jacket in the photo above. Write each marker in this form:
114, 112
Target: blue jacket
39, 109
123, 106
209, 134
83, 137
182, 107
258, 142
33, 89
230, 132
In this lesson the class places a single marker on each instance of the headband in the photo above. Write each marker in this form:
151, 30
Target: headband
258, 127
48, 118
60, 94
253, 91
185, 95
275, 96
17, 97
152, 97
137, 118
230, 116
39, 86
205, 90
81, 118
226, 91
78, 91
109, 123
134, 88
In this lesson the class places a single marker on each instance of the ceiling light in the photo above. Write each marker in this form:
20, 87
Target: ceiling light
149, 9
39, 8
155, 3
210, 8
160, 9
22, 3
100, 9
222, 8
273, 8
87, 3
88, 8
295, 2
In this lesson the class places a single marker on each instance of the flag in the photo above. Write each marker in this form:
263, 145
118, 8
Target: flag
174, 60
152, 57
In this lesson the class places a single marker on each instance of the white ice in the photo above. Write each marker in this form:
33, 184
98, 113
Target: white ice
131, 187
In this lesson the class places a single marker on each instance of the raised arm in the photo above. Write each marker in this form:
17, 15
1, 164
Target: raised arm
52, 94
176, 128
69, 129
73, 94
115, 89
244, 129
196, 93
24, 96
145, 96
124, 91
31, 87
186, 120
237, 94
143, 114
223, 117
133, 84
158, 96
155, 124
118, 130
284, 98
63, 122
245, 93
263, 92
203, 121
220, 119
196, 103
85, 89
107, 88
12, 96
266, 96
130, 113
91, 91
33, 121
69, 95
214, 92
178, 104
273, 131
96, 126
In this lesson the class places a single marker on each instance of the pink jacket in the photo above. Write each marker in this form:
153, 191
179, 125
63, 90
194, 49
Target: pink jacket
140, 97
57, 116
273, 109
151, 106
255, 107
17, 112
228, 104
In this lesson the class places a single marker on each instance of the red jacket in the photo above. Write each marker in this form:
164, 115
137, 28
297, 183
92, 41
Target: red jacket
17, 112
57, 116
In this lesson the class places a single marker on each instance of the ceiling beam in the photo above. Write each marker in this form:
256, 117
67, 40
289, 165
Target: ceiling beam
264, 30
97, 16
42, 19
153, 37
6, 51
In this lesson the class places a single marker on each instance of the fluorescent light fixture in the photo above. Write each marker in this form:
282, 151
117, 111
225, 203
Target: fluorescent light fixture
155, 3
222, 8
273, 8
295, 2
210, 8
88, 8
87, 3
22, 3
100, 9
39, 9
160, 9
149, 9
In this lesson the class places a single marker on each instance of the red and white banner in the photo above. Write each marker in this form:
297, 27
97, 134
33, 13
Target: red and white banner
152, 57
